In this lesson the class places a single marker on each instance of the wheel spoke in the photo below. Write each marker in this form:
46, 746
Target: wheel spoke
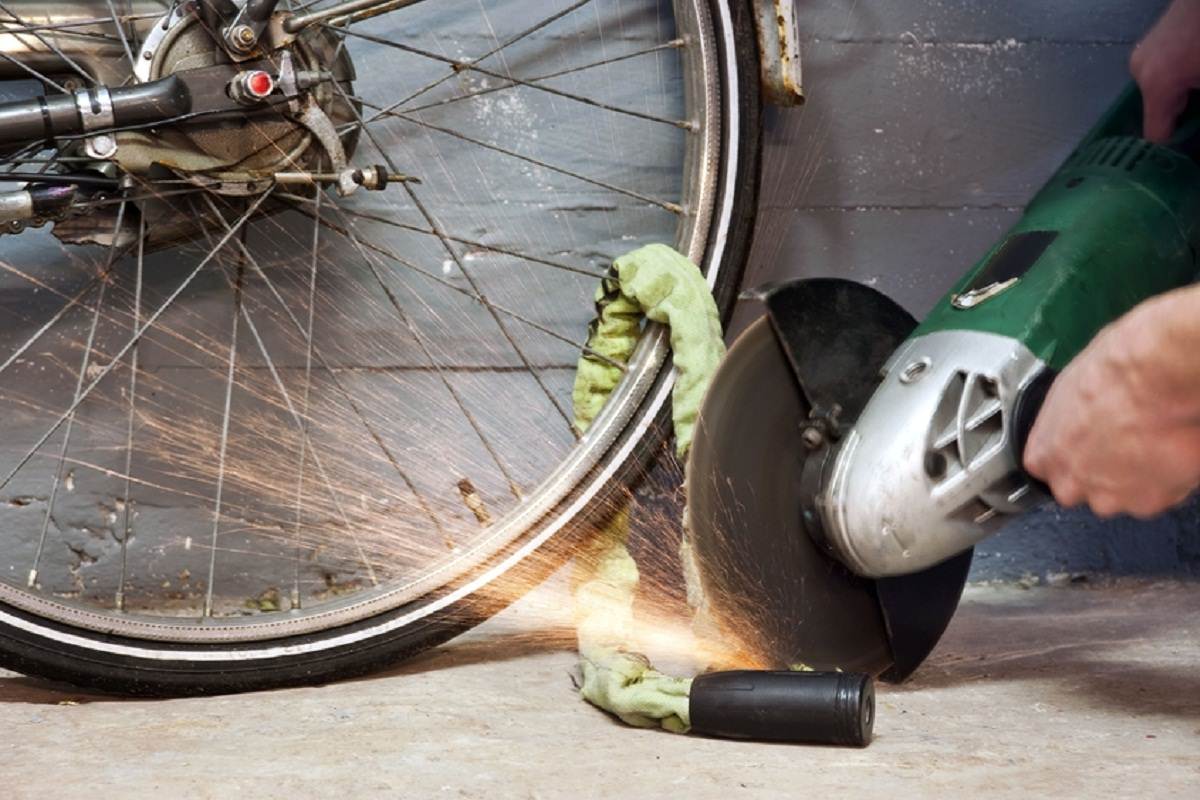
406, 322
57, 478
492, 310
598, 274
83, 73
603, 62
16, 62
334, 494
451, 251
224, 445
56, 481
528, 83
124, 39
72, 301
664, 204
297, 418
8, 27
499, 48
138, 334
313, 351
127, 514
349, 12
304, 399
346, 232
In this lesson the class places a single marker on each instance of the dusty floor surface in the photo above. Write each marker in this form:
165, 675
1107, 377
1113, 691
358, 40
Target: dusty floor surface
1075, 692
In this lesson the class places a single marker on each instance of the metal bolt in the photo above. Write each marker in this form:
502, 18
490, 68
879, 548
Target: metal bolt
812, 438
243, 37
102, 146
252, 87
914, 370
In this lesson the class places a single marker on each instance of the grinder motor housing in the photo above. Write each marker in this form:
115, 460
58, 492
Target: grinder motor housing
847, 458
933, 462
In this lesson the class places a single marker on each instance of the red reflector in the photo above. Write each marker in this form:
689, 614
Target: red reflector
260, 84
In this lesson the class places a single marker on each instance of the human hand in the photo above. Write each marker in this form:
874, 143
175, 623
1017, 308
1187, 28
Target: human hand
1119, 430
1166, 66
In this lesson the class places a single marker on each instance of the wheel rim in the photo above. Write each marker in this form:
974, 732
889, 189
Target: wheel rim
534, 497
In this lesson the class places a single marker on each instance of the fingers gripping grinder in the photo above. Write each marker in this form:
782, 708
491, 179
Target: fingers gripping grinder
847, 458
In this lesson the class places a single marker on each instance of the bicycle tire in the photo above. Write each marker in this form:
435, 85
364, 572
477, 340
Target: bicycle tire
118, 663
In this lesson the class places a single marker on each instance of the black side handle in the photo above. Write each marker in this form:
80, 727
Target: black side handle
785, 706
1025, 411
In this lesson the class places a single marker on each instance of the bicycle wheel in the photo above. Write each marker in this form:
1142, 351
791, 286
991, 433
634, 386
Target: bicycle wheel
258, 433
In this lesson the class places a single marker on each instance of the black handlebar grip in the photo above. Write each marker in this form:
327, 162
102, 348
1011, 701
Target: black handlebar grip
1025, 410
785, 706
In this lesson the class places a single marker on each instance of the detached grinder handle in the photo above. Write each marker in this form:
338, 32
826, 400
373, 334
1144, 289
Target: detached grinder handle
836, 708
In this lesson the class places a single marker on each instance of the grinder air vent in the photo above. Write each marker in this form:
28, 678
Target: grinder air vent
966, 432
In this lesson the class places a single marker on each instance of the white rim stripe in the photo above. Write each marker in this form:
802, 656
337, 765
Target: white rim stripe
370, 632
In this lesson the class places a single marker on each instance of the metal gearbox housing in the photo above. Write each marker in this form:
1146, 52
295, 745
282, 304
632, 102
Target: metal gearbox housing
928, 468
771, 422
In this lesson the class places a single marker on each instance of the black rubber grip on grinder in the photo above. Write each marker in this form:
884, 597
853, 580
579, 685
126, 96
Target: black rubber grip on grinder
785, 706
1025, 410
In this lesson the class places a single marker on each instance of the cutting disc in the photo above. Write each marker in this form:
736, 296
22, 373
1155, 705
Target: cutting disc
766, 579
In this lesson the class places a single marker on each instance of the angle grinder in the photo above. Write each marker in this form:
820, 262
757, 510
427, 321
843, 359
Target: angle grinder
848, 458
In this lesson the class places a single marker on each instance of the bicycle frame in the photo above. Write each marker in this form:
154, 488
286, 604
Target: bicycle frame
63, 47
71, 50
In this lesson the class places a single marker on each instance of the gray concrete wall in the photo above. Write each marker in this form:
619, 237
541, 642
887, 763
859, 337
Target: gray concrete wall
929, 124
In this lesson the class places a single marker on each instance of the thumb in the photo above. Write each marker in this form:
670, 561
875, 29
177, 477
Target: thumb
1039, 446
1035, 456
1160, 109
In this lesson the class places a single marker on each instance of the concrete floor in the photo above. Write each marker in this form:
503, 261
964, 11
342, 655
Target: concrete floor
1075, 691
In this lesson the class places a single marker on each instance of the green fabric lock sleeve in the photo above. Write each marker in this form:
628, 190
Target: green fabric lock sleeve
671, 290
663, 286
